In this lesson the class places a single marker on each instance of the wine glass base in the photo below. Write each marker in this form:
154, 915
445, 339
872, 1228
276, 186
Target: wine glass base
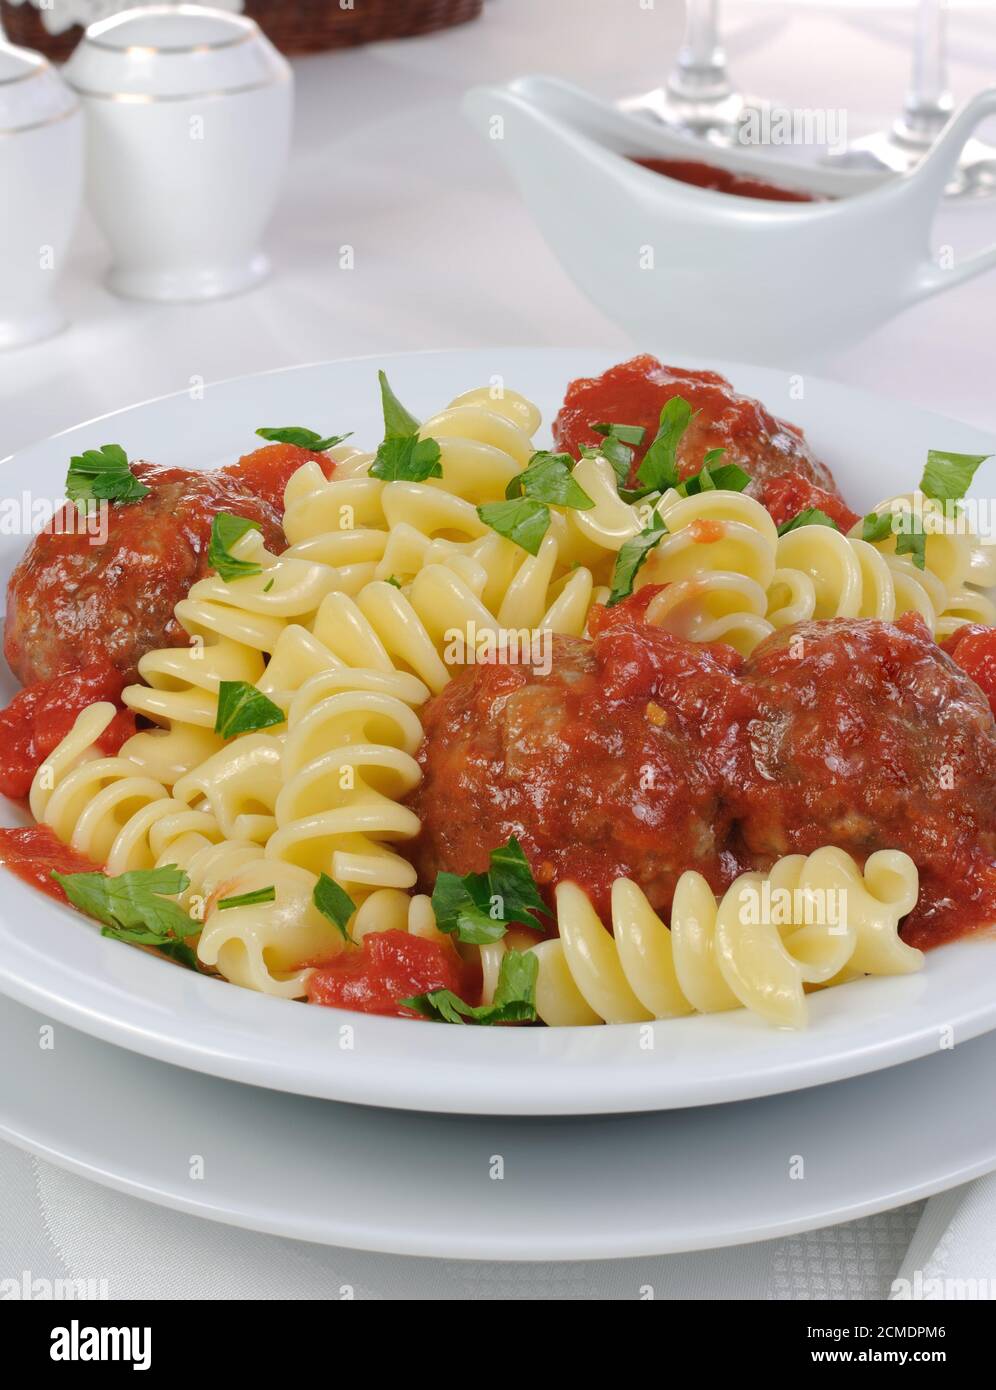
718, 121
974, 175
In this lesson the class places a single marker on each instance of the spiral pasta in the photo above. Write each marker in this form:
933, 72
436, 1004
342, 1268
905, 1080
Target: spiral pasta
961, 564
232, 624
737, 952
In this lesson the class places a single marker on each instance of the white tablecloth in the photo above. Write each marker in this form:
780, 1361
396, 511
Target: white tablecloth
445, 256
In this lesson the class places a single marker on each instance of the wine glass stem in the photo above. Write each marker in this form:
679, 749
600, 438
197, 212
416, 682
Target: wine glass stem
700, 73
928, 102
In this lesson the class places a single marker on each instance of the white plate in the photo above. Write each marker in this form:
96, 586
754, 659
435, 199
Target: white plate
572, 1189
53, 961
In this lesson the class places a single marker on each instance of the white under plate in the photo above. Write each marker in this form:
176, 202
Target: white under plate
54, 961
572, 1189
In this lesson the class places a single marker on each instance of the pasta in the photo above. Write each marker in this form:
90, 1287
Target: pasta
232, 625
724, 956
959, 560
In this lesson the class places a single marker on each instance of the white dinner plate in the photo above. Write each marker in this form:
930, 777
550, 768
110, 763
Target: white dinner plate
54, 961
458, 1186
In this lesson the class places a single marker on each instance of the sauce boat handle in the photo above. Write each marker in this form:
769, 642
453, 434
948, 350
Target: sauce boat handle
933, 175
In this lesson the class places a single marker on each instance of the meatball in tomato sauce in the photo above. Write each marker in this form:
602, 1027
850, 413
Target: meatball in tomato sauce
634, 393
74, 601
868, 736
613, 763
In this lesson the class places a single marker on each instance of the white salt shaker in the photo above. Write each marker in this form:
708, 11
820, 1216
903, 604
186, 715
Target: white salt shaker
41, 186
188, 113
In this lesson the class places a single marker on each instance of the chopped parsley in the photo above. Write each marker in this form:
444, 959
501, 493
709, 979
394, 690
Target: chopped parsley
304, 439
523, 520
334, 903
137, 907
105, 475
226, 530
480, 908
258, 895
812, 516
242, 709
402, 456
514, 1001
632, 557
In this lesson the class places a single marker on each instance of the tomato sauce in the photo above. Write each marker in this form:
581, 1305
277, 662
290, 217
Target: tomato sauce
973, 647
40, 716
786, 497
717, 180
389, 966
32, 852
267, 471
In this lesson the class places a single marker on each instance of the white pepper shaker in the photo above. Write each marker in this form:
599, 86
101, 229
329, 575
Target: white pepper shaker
188, 113
41, 186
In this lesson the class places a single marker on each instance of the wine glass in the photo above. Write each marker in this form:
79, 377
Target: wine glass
925, 113
698, 98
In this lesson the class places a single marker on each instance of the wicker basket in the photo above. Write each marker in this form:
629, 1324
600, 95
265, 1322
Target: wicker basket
295, 26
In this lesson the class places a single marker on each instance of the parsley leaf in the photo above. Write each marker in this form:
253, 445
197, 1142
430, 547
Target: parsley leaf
242, 708
305, 439
103, 474
811, 516
631, 558
132, 909
914, 544
226, 529
258, 895
547, 477
659, 469
409, 459
728, 477
399, 423
947, 477
334, 903
877, 526
514, 1001
520, 519
629, 434
480, 908
402, 455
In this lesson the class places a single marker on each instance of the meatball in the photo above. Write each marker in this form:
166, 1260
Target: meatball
74, 601
866, 735
611, 764
634, 393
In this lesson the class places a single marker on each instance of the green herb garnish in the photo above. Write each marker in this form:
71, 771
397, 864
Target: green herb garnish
514, 1001
480, 908
258, 895
631, 558
947, 477
629, 434
242, 709
548, 478
523, 520
334, 903
104, 475
811, 516
133, 907
226, 530
402, 455
304, 439
659, 469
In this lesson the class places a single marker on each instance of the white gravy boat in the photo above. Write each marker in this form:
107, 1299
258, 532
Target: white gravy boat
767, 281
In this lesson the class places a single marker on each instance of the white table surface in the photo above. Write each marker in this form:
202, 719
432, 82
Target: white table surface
445, 256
